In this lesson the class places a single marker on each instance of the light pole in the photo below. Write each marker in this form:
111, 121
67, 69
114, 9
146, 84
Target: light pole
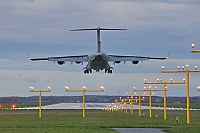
128, 101
139, 99
120, 104
83, 93
150, 96
159, 81
40, 97
193, 50
187, 84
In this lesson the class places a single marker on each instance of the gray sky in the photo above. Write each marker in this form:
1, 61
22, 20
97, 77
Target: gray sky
42, 28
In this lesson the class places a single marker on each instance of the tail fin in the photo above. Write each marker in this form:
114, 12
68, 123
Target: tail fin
28, 55
98, 34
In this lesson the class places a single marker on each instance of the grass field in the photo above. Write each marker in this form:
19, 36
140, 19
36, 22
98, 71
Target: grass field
98, 121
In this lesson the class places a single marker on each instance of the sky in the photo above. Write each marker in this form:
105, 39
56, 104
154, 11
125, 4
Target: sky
155, 28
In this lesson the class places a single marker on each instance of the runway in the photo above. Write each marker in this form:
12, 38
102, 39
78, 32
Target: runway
96, 106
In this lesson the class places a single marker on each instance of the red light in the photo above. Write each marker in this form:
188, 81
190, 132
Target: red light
13, 106
0, 106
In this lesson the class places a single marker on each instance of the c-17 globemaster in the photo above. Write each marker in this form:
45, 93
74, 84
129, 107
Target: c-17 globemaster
98, 60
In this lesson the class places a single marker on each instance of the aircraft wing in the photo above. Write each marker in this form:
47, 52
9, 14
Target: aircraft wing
79, 58
132, 58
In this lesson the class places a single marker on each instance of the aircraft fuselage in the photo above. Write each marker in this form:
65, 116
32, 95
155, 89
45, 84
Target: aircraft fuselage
98, 61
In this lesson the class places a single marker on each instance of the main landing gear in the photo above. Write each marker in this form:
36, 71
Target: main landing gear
108, 71
90, 71
87, 71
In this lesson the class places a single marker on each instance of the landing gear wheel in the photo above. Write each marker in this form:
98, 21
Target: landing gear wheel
87, 71
109, 71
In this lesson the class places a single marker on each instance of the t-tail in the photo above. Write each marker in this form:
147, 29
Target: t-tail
98, 35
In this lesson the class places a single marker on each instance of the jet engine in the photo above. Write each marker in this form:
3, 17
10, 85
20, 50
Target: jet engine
78, 62
135, 62
117, 62
61, 62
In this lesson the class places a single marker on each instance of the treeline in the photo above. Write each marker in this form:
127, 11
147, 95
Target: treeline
91, 99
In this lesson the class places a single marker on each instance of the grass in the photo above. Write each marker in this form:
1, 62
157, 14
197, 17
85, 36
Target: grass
175, 105
98, 121
22, 105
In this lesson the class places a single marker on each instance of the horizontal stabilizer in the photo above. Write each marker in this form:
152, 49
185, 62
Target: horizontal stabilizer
97, 29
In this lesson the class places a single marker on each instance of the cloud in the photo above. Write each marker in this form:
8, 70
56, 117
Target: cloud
31, 80
75, 80
50, 21
5, 78
43, 26
155, 27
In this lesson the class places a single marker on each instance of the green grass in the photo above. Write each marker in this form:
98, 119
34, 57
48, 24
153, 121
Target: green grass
175, 105
98, 121
22, 105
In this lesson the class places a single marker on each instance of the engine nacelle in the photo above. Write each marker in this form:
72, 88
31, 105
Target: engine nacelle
60, 62
117, 62
135, 62
78, 62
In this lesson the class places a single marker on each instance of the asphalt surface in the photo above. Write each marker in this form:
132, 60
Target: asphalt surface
138, 130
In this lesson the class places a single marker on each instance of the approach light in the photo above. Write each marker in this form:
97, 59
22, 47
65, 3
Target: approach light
102, 88
163, 67
179, 67
67, 88
13, 106
193, 46
187, 66
49, 88
196, 67
149, 87
31, 88
84, 88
